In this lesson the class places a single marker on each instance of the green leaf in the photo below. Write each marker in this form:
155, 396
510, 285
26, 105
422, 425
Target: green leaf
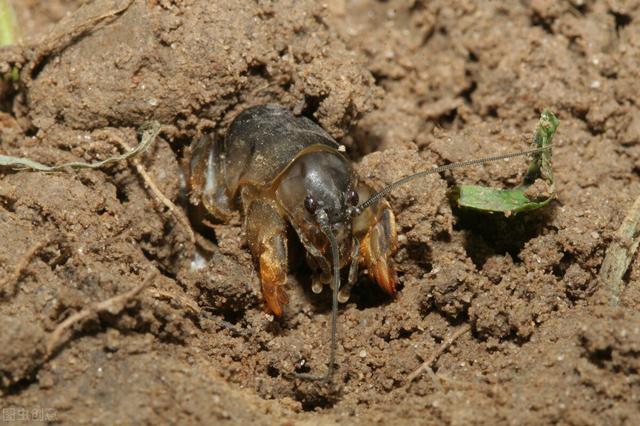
497, 200
537, 188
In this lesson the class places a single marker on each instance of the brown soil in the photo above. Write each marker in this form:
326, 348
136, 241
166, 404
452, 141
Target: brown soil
404, 85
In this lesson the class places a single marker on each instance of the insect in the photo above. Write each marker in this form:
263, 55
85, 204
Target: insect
281, 170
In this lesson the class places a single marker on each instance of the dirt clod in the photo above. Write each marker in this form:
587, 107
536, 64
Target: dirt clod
403, 85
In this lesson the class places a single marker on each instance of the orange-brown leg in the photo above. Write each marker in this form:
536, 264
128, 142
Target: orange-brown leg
266, 234
377, 248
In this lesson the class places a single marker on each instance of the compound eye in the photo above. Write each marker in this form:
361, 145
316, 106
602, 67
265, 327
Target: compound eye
311, 204
352, 198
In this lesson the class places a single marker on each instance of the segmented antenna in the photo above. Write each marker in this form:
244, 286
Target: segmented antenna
385, 191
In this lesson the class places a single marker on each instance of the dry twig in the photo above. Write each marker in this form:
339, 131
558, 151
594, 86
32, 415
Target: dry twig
180, 300
22, 264
66, 33
426, 366
173, 209
620, 253
115, 302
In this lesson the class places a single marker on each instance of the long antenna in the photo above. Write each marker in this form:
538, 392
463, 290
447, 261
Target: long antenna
374, 198
323, 220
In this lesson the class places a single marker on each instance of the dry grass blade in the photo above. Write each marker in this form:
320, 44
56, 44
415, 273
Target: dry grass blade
442, 349
620, 253
151, 131
115, 302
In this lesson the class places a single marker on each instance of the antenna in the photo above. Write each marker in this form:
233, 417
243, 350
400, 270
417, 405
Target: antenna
385, 191
323, 221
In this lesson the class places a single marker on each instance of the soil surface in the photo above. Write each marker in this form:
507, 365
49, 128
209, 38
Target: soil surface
404, 85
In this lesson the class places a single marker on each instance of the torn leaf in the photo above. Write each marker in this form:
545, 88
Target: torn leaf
537, 188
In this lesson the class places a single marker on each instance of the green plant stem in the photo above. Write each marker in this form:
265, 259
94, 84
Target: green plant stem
8, 28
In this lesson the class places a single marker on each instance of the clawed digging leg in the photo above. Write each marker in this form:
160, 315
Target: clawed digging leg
266, 235
377, 248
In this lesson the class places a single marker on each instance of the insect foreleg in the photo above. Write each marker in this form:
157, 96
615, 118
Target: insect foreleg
378, 246
267, 238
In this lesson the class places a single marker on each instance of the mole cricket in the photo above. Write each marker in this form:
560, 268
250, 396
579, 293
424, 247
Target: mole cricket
282, 170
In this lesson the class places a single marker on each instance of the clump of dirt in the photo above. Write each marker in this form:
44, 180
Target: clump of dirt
181, 62
404, 85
